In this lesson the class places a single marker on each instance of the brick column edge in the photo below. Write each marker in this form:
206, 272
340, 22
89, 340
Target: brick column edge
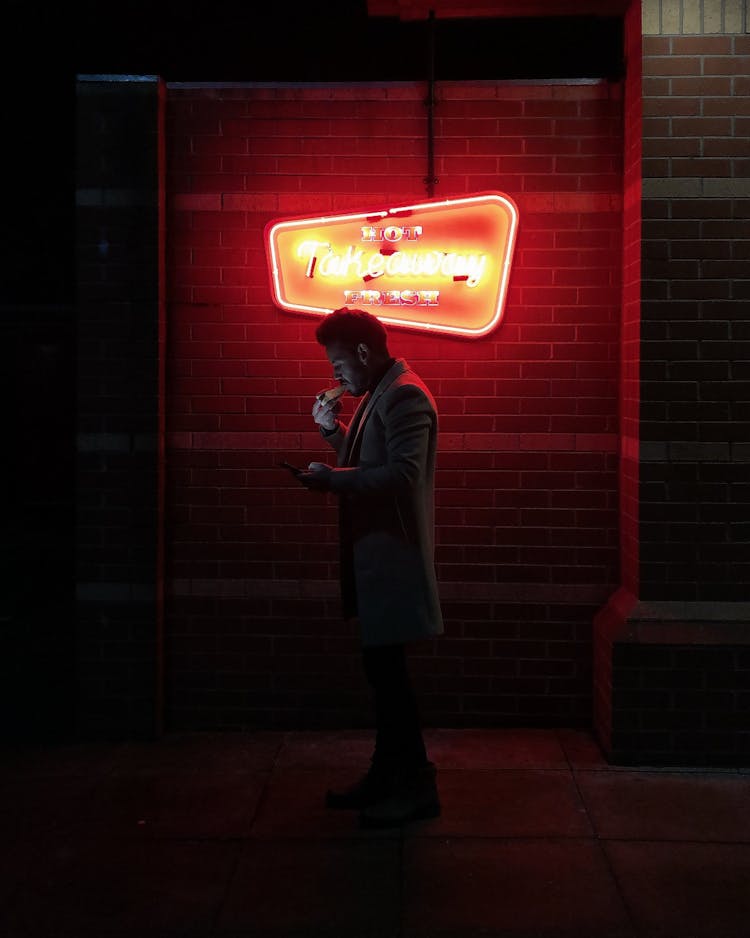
607, 621
672, 646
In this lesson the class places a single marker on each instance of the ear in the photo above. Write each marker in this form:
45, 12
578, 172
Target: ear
363, 352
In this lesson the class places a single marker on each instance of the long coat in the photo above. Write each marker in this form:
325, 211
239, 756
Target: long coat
385, 484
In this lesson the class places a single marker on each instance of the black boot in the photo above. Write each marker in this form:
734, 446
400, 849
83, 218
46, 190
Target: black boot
374, 786
413, 797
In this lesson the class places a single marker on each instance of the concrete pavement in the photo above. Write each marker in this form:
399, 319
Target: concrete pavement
226, 834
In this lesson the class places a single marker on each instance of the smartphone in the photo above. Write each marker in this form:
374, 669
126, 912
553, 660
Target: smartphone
295, 470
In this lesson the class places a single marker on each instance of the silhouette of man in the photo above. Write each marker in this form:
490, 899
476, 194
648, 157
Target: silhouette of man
384, 480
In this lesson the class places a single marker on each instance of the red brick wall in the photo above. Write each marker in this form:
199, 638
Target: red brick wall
527, 538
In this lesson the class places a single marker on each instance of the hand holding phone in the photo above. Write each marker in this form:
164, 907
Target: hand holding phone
316, 476
295, 470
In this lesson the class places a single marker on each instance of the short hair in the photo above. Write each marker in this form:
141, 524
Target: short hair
349, 327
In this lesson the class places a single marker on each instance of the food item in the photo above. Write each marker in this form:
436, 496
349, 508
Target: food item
332, 394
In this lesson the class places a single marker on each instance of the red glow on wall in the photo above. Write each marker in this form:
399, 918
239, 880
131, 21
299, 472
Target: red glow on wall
441, 265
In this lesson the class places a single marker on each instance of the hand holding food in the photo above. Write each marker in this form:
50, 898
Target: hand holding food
326, 407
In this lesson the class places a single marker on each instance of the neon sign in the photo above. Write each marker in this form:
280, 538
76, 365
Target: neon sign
441, 265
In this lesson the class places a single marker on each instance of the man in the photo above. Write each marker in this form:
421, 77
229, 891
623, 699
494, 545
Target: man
384, 479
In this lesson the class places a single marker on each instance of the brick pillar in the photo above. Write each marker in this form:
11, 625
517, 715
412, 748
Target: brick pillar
120, 320
673, 646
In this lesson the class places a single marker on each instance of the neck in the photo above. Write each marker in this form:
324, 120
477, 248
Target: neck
379, 372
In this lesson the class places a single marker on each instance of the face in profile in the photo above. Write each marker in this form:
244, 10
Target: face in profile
350, 367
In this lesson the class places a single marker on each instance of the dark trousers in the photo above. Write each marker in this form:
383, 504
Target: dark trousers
398, 741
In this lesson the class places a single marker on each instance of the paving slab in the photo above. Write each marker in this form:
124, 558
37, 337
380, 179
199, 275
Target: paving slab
507, 803
185, 753
17, 861
582, 750
320, 888
449, 748
495, 749
293, 805
212, 804
517, 889
667, 806
35, 806
100, 887
351, 748
685, 890
59, 759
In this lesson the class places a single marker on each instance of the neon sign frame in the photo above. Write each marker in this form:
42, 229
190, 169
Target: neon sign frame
479, 230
